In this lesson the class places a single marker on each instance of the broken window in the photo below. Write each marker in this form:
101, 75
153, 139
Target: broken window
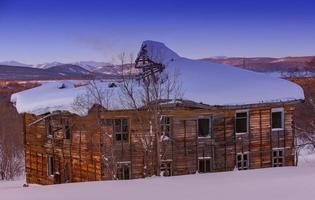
277, 119
50, 165
165, 126
121, 129
166, 168
123, 171
67, 132
241, 122
204, 165
242, 161
204, 127
48, 127
277, 157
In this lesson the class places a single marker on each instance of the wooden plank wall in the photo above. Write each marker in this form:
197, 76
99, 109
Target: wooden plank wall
85, 151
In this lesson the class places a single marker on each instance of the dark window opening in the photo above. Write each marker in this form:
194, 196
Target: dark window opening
67, 132
241, 122
50, 165
277, 120
121, 129
165, 126
166, 168
123, 172
278, 158
48, 126
242, 161
203, 127
204, 165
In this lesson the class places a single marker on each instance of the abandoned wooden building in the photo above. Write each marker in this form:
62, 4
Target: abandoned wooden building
228, 118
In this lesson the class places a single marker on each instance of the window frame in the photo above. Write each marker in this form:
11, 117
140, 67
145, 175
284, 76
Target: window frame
277, 157
121, 132
164, 125
209, 128
169, 167
242, 161
50, 165
48, 127
122, 166
247, 121
205, 165
275, 110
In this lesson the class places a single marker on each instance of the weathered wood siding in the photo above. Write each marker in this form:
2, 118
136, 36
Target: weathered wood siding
84, 152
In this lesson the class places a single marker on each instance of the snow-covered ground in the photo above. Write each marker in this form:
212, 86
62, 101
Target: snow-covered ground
289, 183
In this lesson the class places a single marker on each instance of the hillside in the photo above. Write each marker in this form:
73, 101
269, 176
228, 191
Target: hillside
265, 64
14, 73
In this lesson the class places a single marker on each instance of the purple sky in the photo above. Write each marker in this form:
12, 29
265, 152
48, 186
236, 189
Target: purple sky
36, 31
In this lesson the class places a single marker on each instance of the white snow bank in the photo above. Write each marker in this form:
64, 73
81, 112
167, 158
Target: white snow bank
218, 84
62, 96
289, 183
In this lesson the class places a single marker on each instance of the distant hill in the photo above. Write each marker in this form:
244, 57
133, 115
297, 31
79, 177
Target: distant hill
12, 70
265, 64
53, 73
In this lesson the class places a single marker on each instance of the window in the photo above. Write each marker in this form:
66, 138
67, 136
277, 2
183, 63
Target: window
166, 168
241, 122
204, 165
165, 126
50, 164
123, 171
121, 129
48, 127
204, 127
277, 119
67, 132
277, 157
242, 161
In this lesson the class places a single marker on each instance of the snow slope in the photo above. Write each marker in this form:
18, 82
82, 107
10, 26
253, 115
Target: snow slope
218, 84
288, 183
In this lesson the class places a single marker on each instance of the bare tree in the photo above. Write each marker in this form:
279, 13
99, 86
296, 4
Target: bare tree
305, 118
146, 93
99, 94
11, 142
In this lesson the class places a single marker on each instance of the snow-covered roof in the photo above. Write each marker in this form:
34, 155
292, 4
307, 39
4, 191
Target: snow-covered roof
64, 96
208, 83
218, 84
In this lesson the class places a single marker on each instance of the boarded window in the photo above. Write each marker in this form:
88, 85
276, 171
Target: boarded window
166, 168
278, 158
241, 122
50, 165
203, 127
48, 127
204, 165
242, 161
277, 119
121, 129
166, 126
123, 171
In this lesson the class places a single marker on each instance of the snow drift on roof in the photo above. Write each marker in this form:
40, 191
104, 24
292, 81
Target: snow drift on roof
212, 84
158, 52
62, 96
218, 84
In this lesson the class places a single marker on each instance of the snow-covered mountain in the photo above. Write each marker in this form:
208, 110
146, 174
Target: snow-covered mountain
14, 63
65, 69
47, 65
